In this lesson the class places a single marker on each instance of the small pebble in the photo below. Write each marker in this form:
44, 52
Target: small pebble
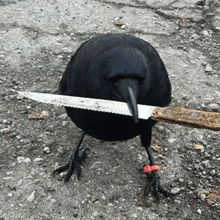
19, 97
10, 194
20, 159
175, 190
116, 19
207, 154
134, 215
18, 137
203, 196
214, 106
64, 123
4, 121
5, 131
95, 213
27, 160
103, 198
60, 150
31, 197
139, 209
181, 180
110, 204
94, 199
139, 157
199, 211
161, 128
53, 200
46, 150
205, 33
45, 113
208, 68
20, 182
171, 140
213, 172
202, 149
205, 162
177, 201
8, 122
63, 116
9, 173
13, 134
37, 160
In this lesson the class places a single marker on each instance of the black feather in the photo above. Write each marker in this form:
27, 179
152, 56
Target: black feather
98, 66
115, 67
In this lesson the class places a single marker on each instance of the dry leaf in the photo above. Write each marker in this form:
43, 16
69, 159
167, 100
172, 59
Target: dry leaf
198, 146
120, 23
201, 192
36, 115
153, 139
157, 148
213, 197
202, 195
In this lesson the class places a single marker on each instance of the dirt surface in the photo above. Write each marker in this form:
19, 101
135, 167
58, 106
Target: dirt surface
37, 40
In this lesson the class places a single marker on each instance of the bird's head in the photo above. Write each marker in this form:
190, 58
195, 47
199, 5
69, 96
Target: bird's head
127, 71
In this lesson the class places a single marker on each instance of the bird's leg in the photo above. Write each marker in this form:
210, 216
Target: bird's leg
73, 166
153, 176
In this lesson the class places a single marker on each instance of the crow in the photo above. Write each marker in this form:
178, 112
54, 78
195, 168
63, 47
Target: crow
116, 67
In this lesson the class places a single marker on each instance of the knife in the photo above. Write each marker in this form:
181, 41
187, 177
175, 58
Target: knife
178, 115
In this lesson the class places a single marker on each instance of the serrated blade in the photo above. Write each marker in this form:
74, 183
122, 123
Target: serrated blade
101, 105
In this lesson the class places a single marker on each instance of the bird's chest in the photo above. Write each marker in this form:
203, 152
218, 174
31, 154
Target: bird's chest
107, 126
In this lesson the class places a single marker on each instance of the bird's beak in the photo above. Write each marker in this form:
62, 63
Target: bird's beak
127, 89
132, 104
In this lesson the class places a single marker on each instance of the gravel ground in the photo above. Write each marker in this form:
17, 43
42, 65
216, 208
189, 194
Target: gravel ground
37, 40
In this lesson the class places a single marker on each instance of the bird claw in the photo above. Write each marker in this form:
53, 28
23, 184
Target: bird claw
154, 180
73, 166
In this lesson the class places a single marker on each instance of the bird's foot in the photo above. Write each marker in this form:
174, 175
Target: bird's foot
154, 182
73, 166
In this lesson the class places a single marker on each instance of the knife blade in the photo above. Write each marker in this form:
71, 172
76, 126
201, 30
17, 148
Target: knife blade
101, 105
182, 116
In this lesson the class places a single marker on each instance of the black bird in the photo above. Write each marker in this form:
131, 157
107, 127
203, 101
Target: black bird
115, 67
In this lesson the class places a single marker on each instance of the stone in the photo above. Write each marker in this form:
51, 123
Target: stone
64, 123
46, 150
60, 150
31, 197
20, 159
27, 160
5, 130
208, 68
37, 160
175, 190
63, 116
214, 106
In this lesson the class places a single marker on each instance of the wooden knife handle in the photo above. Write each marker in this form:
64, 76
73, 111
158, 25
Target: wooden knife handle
192, 118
